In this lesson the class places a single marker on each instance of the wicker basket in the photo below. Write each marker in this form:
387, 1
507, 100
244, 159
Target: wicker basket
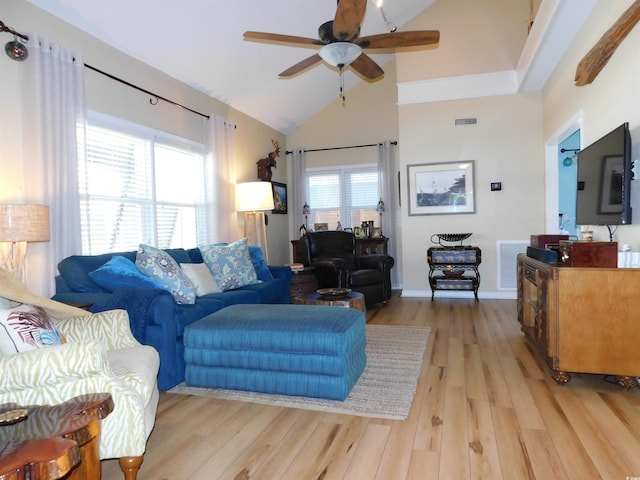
303, 282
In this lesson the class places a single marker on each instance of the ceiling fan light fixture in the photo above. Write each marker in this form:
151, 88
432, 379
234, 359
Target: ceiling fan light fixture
340, 53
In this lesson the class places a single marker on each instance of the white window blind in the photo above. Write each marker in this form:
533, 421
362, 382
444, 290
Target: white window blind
136, 188
347, 194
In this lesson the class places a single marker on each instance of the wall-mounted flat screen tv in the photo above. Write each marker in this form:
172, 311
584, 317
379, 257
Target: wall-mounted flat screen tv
604, 180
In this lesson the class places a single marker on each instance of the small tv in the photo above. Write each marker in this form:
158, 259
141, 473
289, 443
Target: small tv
604, 180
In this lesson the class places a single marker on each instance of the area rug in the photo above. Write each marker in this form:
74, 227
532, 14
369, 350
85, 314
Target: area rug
384, 390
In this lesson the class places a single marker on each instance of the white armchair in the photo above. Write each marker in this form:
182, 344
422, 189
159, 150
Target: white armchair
100, 355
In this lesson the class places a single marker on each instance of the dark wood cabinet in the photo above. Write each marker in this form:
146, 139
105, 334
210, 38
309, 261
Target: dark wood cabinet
370, 246
364, 246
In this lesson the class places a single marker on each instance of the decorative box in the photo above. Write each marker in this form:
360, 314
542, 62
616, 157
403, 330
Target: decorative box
588, 254
541, 241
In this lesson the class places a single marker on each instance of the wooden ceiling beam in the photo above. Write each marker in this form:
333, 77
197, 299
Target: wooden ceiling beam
594, 61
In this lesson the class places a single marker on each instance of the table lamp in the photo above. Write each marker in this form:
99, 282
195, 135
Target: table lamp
306, 211
20, 224
253, 198
380, 209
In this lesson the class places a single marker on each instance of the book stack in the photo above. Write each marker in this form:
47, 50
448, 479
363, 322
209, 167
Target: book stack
296, 267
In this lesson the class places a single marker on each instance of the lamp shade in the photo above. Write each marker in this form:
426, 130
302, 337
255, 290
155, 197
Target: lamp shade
24, 223
340, 53
254, 196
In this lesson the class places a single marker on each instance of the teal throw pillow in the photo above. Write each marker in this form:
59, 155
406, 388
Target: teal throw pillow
230, 265
120, 272
259, 263
159, 266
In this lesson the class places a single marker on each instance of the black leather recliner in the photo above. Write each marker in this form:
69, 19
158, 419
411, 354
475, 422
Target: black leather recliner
333, 254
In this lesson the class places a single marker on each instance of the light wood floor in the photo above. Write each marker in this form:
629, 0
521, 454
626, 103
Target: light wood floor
485, 408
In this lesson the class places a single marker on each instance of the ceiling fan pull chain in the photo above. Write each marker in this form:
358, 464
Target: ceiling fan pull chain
342, 96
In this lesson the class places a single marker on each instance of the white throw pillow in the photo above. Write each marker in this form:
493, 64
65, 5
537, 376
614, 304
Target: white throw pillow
201, 278
26, 327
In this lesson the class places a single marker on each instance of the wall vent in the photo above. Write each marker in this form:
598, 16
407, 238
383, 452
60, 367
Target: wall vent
507, 258
466, 121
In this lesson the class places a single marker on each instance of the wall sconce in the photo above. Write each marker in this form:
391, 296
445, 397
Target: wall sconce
253, 198
20, 224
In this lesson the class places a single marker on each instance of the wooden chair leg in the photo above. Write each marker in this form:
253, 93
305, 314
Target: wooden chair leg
130, 466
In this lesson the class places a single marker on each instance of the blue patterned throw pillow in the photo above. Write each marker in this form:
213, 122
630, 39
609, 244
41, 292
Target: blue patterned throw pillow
159, 266
230, 264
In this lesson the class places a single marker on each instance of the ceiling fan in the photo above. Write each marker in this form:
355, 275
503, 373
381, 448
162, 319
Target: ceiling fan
341, 45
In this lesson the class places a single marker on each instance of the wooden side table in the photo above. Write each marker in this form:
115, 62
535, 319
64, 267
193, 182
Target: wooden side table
54, 440
352, 300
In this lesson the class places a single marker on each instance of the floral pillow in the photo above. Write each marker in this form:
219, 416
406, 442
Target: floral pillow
26, 327
230, 265
161, 267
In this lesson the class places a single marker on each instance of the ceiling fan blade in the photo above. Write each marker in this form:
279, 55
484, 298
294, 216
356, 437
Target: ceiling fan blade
349, 16
276, 37
366, 67
300, 66
400, 39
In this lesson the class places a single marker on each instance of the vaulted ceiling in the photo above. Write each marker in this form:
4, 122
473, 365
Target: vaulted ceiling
200, 42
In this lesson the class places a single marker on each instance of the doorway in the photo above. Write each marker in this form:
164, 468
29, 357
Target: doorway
559, 179
567, 183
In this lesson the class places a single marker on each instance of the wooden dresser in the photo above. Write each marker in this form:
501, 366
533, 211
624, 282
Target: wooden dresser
582, 320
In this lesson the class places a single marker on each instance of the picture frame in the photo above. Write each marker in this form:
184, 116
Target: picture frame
321, 227
279, 198
441, 188
377, 232
610, 198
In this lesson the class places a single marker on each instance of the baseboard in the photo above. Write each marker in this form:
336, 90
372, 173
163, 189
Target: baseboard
497, 295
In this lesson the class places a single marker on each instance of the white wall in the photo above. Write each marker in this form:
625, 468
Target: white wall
506, 145
110, 97
612, 98
509, 142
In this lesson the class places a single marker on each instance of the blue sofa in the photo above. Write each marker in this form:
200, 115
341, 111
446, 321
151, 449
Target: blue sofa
156, 319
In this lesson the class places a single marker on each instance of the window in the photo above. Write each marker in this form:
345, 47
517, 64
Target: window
348, 194
139, 186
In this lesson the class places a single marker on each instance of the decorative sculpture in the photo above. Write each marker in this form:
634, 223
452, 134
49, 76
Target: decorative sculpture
266, 164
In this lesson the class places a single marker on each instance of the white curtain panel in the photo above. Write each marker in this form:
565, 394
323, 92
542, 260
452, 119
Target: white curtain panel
53, 131
388, 186
220, 188
299, 194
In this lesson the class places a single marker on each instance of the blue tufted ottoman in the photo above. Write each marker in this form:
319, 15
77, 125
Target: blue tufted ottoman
303, 350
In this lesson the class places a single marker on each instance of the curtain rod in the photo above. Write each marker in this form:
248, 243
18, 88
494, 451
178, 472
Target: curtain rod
154, 95
4, 28
288, 152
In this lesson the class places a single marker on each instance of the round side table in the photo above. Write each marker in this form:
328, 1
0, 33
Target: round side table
352, 300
